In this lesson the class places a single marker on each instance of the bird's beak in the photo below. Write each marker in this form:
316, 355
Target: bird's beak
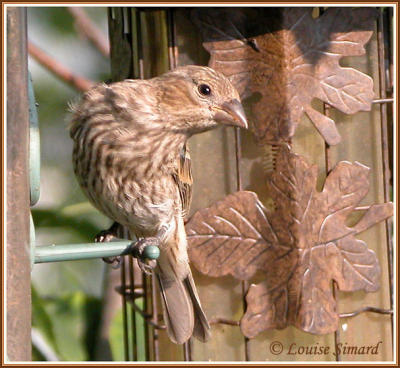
231, 113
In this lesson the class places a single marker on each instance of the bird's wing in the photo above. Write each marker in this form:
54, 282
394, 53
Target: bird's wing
184, 180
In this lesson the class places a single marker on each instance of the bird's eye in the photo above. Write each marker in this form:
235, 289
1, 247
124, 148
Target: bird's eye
204, 89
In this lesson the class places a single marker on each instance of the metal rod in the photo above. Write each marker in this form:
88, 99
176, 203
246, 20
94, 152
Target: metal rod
149, 317
224, 321
375, 101
328, 158
328, 168
336, 333
140, 56
16, 251
245, 284
140, 43
34, 146
124, 310
385, 149
173, 63
383, 100
186, 351
133, 315
362, 208
388, 38
135, 42
138, 291
172, 49
145, 285
156, 352
366, 309
152, 319
238, 153
73, 252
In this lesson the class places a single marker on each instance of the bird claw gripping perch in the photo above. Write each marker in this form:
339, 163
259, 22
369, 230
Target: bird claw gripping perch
146, 248
107, 236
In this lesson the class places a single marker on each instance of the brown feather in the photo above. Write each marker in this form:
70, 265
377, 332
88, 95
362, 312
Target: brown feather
201, 328
177, 306
184, 180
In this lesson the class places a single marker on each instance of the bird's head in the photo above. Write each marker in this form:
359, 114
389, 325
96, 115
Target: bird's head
198, 98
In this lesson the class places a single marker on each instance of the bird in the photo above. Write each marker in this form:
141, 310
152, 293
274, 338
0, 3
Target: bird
131, 159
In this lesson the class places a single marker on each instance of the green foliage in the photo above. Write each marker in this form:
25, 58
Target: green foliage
80, 218
69, 324
40, 317
76, 223
117, 334
57, 18
36, 355
65, 309
117, 337
140, 332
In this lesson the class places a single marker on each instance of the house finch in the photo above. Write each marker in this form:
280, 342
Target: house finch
131, 160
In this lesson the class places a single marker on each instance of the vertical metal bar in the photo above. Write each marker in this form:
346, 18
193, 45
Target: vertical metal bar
238, 152
140, 43
18, 266
121, 68
146, 293
120, 50
133, 315
124, 309
388, 46
153, 291
186, 351
385, 149
124, 34
124, 233
34, 146
135, 42
156, 352
137, 62
328, 168
245, 284
172, 48
145, 281
173, 63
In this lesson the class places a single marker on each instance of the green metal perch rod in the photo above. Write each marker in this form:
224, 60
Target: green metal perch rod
73, 252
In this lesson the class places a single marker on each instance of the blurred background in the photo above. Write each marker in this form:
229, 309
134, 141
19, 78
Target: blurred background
67, 296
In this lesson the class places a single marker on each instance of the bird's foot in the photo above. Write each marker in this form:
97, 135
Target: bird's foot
146, 258
106, 236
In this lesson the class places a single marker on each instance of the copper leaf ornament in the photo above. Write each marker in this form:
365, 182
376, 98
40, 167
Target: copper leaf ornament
284, 58
300, 247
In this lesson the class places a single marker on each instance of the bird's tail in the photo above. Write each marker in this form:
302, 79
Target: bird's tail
183, 314
201, 329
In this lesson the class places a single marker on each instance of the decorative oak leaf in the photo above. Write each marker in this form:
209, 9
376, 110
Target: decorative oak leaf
288, 59
300, 247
